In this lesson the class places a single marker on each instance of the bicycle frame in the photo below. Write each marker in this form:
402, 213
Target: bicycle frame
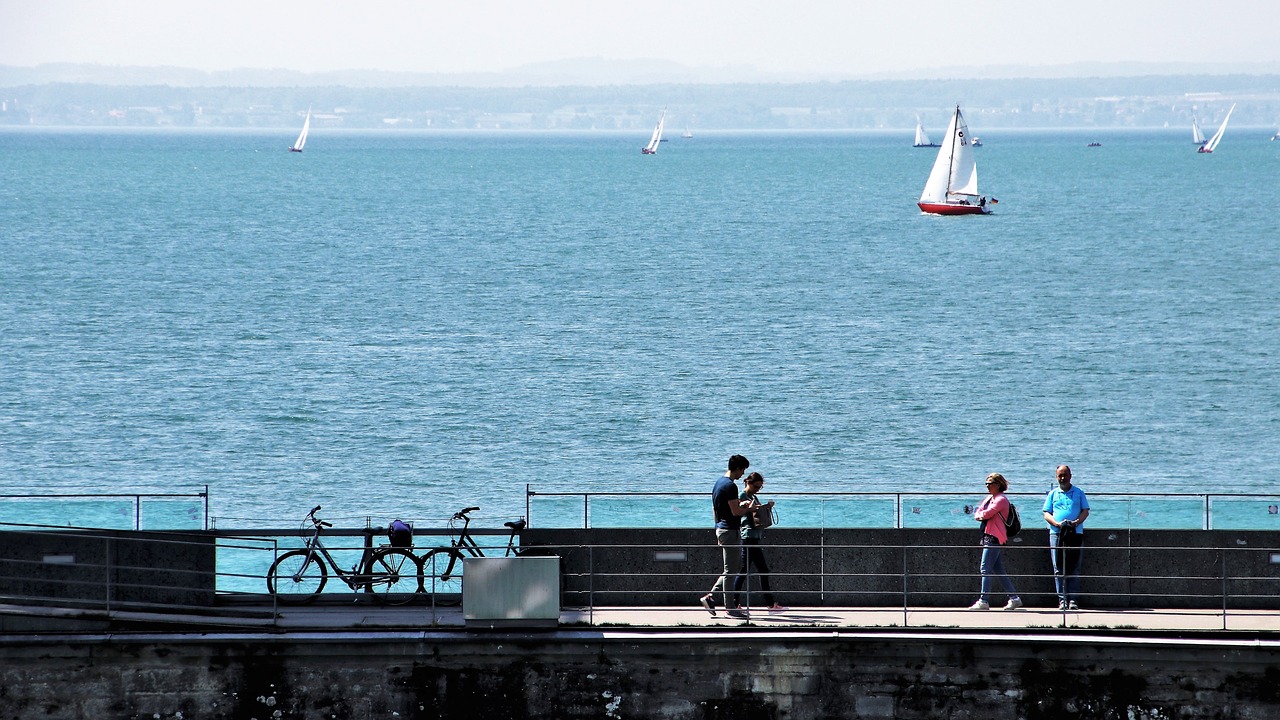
357, 578
466, 543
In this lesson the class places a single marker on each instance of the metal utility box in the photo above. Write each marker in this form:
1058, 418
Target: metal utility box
511, 591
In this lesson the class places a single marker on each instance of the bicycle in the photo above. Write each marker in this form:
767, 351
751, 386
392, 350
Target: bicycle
442, 567
393, 575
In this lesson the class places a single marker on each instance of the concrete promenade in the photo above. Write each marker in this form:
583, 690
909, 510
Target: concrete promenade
363, 615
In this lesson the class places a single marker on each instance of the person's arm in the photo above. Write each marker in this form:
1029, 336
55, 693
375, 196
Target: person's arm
1048, 517
1080, 520
740, 507
991, 510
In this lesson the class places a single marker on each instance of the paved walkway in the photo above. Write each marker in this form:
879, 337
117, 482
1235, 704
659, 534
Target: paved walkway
366, 616
1252, 621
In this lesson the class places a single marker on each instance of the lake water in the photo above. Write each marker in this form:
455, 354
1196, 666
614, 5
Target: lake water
399, 324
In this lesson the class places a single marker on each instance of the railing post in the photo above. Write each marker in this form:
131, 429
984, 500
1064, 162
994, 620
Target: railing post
904, 585
1224, 589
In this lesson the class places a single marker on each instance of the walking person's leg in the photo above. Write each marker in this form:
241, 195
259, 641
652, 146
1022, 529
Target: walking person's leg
1073, 559
728, 542
730, 550
990, 559
1005, 581
762, 566
742, 578
1059, 564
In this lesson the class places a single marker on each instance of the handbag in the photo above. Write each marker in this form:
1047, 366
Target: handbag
763, 517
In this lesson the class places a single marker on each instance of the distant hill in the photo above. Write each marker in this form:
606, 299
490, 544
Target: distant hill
619, 95
582, 72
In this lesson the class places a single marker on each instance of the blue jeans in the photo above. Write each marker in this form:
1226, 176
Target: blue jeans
993, 567
1067, 556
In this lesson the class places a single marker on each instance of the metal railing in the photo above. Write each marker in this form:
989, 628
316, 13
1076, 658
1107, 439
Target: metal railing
895, 510
222, 574
117, 511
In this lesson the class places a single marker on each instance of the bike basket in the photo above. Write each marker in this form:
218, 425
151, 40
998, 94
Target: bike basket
400, 534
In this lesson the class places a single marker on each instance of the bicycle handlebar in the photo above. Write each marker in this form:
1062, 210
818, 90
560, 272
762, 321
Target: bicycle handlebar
317, 521
461, 514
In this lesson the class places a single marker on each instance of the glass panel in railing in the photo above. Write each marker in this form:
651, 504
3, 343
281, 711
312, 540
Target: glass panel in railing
1146, 512
841, 512
243, 565
945, 511
557, 511
671, 511
172, 514
109, 513
1261, 513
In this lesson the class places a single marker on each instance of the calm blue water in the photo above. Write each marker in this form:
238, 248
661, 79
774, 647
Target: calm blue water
404, 324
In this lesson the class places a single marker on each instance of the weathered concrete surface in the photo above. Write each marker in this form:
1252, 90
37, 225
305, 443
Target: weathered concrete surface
630, 674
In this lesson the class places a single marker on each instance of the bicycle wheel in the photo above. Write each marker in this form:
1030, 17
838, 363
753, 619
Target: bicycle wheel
395, 576
297, 577
442, 575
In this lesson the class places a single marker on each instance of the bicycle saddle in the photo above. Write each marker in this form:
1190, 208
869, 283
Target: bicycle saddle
516, 525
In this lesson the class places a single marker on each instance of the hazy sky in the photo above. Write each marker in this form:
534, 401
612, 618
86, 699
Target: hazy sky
846, 37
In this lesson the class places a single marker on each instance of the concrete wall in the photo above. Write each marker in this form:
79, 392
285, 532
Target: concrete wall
115, 568
666, 676
1122, 568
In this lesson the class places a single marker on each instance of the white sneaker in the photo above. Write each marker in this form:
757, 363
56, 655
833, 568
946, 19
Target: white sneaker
980, 605
1014, 604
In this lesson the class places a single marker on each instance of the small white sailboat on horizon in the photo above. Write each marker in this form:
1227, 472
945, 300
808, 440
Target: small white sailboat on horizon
922, 138
652, 147
1217, 137
1197, 136
686, 134
302, 136
952, 187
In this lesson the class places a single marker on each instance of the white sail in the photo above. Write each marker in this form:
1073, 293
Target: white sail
1197, 137
652, 147
302, 136
955, 172
922, 139
1217, 137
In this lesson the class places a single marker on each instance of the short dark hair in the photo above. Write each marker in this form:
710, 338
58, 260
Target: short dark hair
738, 462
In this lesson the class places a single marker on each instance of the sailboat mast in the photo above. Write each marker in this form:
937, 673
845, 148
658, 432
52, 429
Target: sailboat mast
951, 166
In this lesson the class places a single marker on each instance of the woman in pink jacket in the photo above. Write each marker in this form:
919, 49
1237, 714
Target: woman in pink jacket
992, 513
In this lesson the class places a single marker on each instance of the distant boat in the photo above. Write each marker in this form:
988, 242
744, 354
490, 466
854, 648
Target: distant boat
952, 187
1276, 136
302, 136
686, 134
1217, 137
977, 141
1197, 137
922, 138
652, 147
1094, 144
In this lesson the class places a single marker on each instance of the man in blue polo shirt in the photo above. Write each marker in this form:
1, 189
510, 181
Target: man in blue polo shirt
1065, 510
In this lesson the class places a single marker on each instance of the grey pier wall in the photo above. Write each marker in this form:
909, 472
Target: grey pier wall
663, 675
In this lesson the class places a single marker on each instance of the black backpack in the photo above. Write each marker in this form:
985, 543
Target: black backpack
1013, 523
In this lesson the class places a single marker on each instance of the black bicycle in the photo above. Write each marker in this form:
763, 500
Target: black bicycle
393, 575
442, 567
